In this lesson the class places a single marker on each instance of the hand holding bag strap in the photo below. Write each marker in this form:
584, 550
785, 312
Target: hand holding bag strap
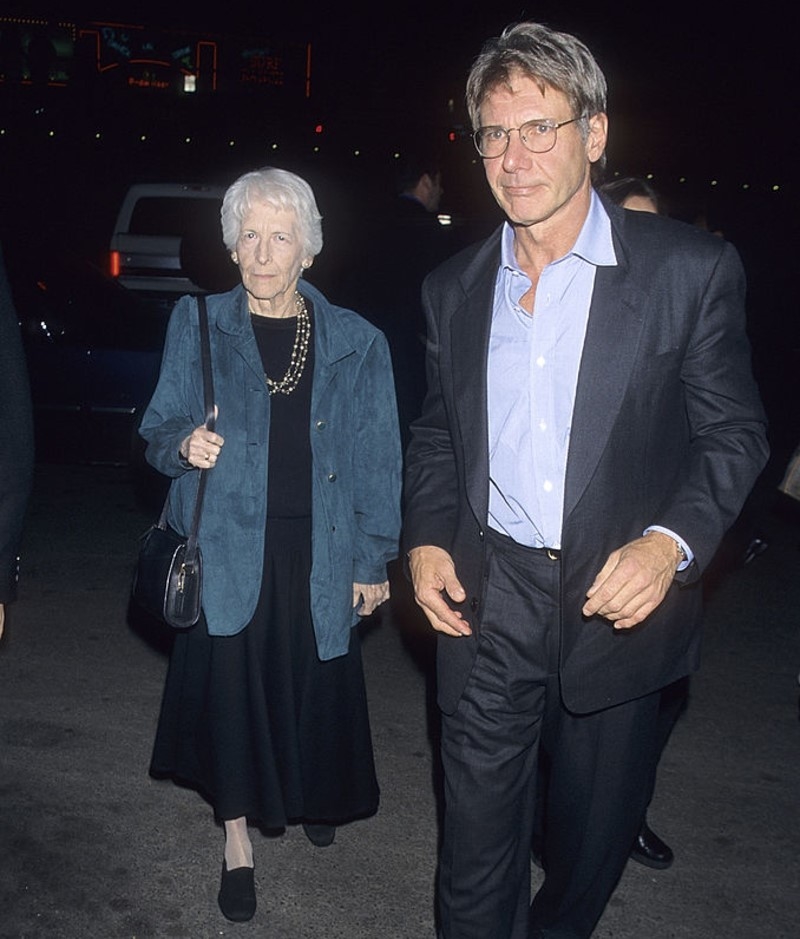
208, 400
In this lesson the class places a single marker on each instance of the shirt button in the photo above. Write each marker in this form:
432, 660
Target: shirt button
331, 477
321, 425
548, 486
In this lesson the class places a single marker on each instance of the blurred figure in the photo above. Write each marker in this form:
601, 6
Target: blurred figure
17, 451
264, 708
401, 245
419, 184
633, 192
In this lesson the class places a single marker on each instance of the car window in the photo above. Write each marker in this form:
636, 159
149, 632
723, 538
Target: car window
174, 216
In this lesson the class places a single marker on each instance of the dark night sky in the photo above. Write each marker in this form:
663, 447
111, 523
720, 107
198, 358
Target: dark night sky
699, 77
708, 89
681, 54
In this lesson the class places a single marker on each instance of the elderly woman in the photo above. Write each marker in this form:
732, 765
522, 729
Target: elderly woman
264, 709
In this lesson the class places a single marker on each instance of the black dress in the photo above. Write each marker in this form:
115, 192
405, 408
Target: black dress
256, 722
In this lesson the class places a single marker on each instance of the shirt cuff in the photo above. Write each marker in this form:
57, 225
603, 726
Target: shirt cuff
687, 551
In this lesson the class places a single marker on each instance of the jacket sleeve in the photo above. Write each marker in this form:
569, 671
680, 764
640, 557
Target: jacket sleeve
728, 444
172, 413
17, 450
377, 465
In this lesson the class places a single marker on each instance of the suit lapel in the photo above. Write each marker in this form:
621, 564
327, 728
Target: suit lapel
612, 339
469, 340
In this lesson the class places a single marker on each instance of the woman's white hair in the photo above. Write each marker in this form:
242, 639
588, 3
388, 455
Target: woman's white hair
281, 189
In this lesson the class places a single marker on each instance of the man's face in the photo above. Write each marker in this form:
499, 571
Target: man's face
537, 187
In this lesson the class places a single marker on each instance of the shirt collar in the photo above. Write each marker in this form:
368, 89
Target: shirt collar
594, 243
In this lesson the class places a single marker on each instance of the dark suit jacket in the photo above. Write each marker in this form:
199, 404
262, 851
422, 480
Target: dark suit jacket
667, 430
16, 451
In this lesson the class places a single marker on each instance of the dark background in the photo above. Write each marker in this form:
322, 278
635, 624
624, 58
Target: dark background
701, 96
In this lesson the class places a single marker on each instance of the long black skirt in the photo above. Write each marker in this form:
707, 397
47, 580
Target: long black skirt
256, 722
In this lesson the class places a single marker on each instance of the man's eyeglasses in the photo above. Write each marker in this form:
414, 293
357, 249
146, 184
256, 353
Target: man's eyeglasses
536, 136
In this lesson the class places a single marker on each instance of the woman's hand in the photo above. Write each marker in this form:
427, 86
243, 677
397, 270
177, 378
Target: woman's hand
201, 448
372, 596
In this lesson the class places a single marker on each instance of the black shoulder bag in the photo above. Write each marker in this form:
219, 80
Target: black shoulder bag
168, 581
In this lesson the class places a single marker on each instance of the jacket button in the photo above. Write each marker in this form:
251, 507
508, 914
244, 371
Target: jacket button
321, 425
473, 604
331, 477
480, 534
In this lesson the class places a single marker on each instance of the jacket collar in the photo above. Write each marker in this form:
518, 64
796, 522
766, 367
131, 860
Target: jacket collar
331, 343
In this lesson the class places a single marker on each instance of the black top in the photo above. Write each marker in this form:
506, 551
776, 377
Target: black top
289, 484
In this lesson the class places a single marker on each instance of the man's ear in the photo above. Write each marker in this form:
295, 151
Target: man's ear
598, 136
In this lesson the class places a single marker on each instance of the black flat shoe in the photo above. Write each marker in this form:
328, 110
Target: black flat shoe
237, 894
320, 835
650, 850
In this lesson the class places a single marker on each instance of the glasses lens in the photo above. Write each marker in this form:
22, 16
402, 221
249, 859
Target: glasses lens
491, 141
538, 136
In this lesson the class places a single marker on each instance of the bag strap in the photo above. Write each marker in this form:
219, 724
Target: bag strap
208, 403
205, 353
208, 400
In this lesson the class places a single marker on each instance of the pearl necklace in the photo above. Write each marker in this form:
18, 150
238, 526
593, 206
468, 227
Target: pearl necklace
297, 363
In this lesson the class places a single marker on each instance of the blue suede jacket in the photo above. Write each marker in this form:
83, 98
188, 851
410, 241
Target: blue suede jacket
356, 459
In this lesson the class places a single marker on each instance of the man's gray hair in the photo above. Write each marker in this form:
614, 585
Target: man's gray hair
281, 189
549, 58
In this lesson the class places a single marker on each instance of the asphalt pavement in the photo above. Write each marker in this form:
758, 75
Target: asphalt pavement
90, 846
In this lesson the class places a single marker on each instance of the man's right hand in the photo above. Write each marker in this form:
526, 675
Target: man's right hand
434, 576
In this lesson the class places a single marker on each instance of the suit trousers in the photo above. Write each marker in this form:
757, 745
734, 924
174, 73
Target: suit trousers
600, 767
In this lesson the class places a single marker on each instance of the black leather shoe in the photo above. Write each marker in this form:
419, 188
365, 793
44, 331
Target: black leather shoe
650, 850
320, 835
237, 894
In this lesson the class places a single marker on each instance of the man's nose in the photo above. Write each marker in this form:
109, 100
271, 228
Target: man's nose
516, 153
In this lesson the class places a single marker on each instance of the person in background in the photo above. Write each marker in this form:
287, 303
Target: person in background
17, 451
402, 241
591, 429
265, 710
633, 192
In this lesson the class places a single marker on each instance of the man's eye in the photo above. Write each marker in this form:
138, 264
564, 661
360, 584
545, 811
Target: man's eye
539, 129
493, 133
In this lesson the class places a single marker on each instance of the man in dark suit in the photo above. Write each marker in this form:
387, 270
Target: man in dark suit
16, 452
591, 429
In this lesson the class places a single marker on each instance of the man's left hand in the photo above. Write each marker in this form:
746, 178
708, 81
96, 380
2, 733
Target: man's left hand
634, 580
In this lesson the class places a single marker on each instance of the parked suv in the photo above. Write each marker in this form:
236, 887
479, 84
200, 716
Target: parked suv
167, 237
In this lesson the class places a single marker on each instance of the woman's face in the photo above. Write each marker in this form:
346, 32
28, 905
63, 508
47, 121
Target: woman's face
270, 256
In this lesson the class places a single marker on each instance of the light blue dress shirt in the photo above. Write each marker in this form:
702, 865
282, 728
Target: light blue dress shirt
532, 378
